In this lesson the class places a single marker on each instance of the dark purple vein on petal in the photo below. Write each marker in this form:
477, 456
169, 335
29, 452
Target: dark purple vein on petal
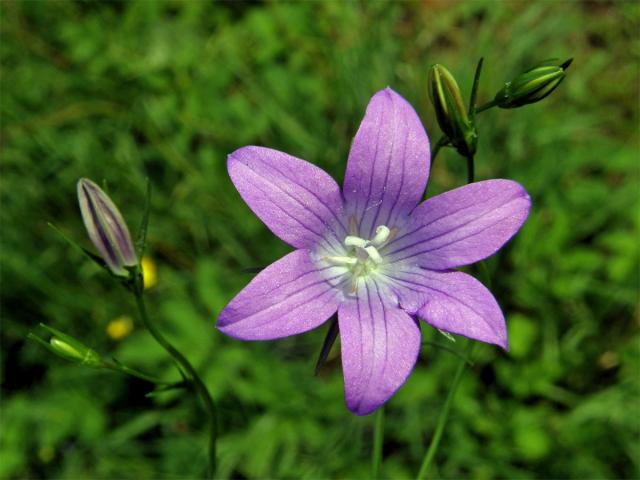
373, 165
386, 173
293, 197
457, 299
404, 152
373, 346
301, 304
397, 239
306, 227
298, 278
473, 234
386, 331
322, 202
289, 297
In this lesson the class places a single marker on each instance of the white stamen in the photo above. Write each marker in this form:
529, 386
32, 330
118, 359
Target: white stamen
352, 241
381, 236
373, 254
342, 260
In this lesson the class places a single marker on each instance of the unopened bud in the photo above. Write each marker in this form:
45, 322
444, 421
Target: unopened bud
450, 111
76, 353
106, 227
69, 348
531, 86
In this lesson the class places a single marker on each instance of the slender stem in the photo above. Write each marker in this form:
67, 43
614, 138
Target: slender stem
486, 106
444, 415
470, 169
118, 367
194, 378
466, 357
378, 437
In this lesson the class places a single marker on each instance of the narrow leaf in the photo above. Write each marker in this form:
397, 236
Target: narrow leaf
92, 256
141, 240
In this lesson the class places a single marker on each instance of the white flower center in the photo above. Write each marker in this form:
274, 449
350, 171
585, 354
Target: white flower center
362, 256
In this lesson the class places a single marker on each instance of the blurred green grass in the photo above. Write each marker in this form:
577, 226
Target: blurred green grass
121, 91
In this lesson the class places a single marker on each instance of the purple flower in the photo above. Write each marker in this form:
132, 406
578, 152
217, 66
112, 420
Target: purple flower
372, 252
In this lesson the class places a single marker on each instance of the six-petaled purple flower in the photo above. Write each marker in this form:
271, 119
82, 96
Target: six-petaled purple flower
372, 252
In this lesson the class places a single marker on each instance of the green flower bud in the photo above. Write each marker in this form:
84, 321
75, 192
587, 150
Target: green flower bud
450, 111
69, 348
531, 86
75, 353
106, 227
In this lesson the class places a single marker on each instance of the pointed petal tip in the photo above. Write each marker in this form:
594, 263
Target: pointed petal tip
83, 183
500, 340
234, 156
387, 91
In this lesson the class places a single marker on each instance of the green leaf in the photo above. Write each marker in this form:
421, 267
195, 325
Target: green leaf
141, 240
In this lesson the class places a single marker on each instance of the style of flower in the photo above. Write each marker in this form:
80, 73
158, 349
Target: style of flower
372, 252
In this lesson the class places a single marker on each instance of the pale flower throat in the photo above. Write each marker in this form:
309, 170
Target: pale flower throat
363, 256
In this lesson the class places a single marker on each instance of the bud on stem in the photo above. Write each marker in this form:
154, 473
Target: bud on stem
106, 228
531, 86
450, 111
69, 348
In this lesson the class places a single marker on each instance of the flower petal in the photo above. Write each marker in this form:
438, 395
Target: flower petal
380, 345
388, 164
462, 226
454, 302
298, 201
288, 297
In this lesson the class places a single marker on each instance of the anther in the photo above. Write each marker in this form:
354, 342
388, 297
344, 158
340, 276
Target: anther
352, 241
381, 236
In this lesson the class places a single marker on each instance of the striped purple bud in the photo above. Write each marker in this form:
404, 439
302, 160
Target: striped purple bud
106, 227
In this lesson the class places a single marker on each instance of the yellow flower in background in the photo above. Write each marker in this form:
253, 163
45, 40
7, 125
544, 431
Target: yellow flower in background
120, 327
46, 454
149, 272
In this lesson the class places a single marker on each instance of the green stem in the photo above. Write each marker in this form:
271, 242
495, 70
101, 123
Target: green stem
486, 106
470, 169
378, 437
444, 414
193, 377
118, 367
466, 357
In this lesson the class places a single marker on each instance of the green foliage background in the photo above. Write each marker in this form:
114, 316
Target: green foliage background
124, 90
